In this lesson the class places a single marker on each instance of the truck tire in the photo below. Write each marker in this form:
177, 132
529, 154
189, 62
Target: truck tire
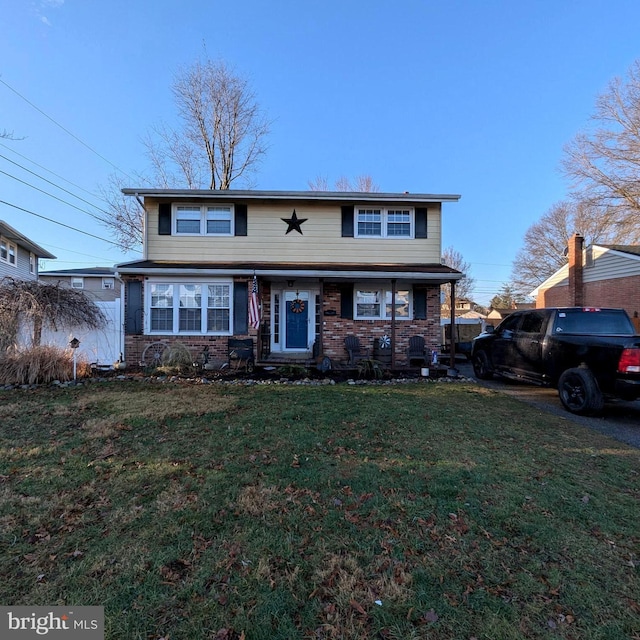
579, 392
481, 366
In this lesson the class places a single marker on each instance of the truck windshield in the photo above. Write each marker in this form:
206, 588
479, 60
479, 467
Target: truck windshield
594, 322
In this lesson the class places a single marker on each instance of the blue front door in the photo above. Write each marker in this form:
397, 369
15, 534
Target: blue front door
297, 321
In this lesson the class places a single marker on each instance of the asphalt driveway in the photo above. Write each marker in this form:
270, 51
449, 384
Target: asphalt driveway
619, 420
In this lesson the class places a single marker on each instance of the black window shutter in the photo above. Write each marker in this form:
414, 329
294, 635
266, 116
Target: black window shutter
346, 301
164, 219
240, 219
133, 315
240, 308
420, 304
347, 221
421, 222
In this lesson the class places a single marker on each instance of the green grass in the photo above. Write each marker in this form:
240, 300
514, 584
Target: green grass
280, 512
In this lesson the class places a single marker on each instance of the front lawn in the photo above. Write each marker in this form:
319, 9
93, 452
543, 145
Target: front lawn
280, 512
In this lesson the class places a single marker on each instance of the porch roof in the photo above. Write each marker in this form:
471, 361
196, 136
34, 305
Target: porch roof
434, 273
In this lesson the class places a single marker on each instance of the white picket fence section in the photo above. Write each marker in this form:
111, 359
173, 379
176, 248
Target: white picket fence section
102, 346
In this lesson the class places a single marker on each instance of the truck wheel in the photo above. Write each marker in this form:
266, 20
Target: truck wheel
481, 366
579, 392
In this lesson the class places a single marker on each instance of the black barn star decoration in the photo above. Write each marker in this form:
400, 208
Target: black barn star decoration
294, 222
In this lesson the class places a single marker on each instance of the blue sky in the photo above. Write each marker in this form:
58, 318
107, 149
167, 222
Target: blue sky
470, 97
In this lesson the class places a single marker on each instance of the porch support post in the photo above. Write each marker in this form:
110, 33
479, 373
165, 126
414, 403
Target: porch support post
452, 341
393, 323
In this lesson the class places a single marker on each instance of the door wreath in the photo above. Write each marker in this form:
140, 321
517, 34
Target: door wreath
297, 305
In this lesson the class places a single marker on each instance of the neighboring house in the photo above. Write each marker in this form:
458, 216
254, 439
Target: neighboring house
101, 346
99, 283
600, 275
496, 316
18, 255
463, 305
327, 265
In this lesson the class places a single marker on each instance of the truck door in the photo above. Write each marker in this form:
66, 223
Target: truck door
528, 344
504, 343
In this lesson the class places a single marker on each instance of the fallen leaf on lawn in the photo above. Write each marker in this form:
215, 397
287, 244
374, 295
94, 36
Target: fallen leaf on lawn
358, 607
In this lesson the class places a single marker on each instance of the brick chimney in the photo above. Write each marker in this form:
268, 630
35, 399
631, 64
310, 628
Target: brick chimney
576, 288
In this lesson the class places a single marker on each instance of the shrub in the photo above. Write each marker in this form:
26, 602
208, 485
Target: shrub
369, 369
293, 371
40, 365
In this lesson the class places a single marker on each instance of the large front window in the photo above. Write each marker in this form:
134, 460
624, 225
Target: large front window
373, 304
192, 220
384, 223
189, 308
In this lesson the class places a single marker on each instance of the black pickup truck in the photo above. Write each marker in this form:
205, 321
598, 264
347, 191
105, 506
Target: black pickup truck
588, 354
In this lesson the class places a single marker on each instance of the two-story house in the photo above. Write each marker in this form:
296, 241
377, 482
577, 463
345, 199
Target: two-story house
99, 283
18, 255
326, 265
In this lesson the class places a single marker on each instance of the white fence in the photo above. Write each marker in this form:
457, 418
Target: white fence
102, 346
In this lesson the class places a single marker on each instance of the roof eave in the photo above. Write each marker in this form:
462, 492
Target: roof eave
323, 196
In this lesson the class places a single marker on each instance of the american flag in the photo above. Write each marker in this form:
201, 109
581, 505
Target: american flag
254, 306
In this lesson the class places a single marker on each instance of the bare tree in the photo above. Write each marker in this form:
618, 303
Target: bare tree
464, 286
220, 140
363, 183
223, 125
545, 241
43, 305
126, 215
8, 135
604, 162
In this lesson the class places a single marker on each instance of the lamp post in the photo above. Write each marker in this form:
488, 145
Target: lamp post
74, 343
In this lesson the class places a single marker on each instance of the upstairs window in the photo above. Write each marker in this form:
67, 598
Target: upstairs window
77, 283
33, 265
188, 220
218, 221
206, 220
108, 283
8, 252
384, 223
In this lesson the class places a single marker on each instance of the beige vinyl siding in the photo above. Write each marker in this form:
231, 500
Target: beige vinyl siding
608, 265
321, 240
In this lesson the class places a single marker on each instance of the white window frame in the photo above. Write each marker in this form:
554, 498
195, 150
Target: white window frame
77, 282
386, 220
383, 295
205, 297
108, 283
203, 213
33, 264
10, 249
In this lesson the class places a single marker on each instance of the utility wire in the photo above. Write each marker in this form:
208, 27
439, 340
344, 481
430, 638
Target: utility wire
37, 215
53, 184
84, 144
51, 195
53, 173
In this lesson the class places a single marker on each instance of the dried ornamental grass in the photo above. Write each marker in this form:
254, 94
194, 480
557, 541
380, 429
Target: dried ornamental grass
40, 365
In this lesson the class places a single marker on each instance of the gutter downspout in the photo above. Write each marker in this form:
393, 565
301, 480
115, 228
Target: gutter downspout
144, 225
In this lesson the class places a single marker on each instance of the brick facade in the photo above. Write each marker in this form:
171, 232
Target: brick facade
621, 293
334, 330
